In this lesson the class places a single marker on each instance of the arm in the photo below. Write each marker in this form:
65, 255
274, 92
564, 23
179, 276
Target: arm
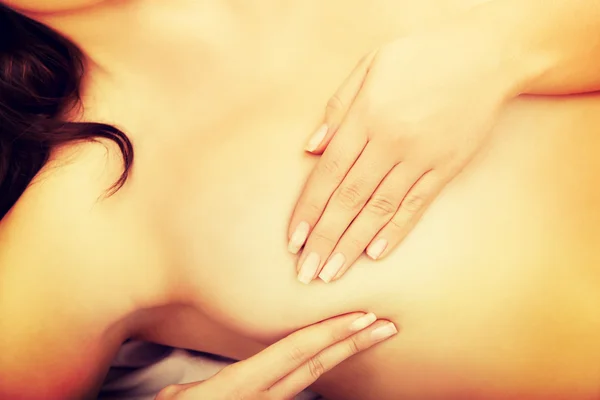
48, 350
57, 337
556, 44
67, 282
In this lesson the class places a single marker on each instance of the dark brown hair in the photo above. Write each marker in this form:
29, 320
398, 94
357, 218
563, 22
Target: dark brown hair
40, 76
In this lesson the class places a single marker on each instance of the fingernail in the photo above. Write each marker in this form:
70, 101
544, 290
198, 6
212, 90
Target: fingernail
316, 138
384, 332
298, 237
309, 268
362, 322
377, 248
332, 267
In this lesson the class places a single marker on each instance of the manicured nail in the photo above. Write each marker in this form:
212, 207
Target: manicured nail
384, 332
309, 268
332, 267
377, 248
362, 322
316, 138
298, 237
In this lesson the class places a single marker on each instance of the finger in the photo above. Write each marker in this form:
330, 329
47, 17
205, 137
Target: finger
339, 105
345, 204
378, 211
329, 172
412, 207
326, 360
283, 357
175, 391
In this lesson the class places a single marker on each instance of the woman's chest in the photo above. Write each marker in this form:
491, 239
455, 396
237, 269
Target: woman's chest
220, 119
225, 203
223, 187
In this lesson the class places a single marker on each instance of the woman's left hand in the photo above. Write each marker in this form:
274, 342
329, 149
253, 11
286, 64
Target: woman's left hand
405, 122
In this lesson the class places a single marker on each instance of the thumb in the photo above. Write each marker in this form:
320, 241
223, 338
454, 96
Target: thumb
339, 105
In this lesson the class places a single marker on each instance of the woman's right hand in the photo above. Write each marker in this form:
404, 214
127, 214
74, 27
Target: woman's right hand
289, 366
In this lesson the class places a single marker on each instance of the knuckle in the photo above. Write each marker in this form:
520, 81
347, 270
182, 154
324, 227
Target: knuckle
168, 392
311, 208
323, 237
337, 334
297, 354
330, 167
382, 205
413, 203
353, 243
353, 346
396, 226
335, 104
316, 367
350, 196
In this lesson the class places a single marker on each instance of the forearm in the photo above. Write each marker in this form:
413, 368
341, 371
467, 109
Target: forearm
553, 46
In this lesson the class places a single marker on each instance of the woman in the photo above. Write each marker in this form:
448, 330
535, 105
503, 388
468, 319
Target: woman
190, 251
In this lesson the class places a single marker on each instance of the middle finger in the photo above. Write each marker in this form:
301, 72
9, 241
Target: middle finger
346, 202
378, 211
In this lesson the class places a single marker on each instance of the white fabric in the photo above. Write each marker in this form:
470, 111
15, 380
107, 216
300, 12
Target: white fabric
140, 370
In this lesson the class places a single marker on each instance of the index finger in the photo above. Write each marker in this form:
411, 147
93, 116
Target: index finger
280, 359
339, 157
339, 104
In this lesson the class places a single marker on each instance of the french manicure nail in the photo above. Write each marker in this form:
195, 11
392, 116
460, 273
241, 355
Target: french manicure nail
384, 332
362, 322
317, 138
332, 267
298, 237
377, 248
309, 268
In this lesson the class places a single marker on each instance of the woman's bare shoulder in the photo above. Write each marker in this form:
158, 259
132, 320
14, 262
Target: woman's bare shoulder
59, 220
68, 280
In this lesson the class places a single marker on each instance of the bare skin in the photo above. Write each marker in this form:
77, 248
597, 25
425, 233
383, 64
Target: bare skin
498, 283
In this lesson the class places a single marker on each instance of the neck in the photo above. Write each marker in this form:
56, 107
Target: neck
139, 35
142, 54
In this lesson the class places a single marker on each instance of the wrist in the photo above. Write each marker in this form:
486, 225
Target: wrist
507, 43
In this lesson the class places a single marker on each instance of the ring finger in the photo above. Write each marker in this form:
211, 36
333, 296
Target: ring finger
378, 211
413, 206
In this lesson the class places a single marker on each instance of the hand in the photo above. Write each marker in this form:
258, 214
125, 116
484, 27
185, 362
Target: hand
405, 122
289, 366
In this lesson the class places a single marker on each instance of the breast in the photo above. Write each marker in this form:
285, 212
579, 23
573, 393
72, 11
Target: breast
484, 289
